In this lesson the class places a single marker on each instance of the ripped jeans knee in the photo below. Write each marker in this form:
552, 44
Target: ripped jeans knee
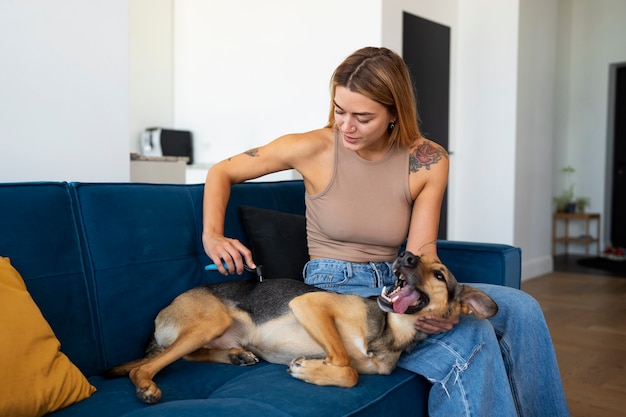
453, 379
466, 369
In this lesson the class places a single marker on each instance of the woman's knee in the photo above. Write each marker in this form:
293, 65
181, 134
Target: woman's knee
513, 301
470, 344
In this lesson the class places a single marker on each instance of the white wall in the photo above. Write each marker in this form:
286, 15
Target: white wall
64, 90
151, 54
534, 133
484, 151
247, 72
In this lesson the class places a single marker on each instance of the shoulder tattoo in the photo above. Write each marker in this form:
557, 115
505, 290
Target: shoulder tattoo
425, 155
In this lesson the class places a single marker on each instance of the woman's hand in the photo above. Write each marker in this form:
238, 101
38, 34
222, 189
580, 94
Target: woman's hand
228, 252
435, 325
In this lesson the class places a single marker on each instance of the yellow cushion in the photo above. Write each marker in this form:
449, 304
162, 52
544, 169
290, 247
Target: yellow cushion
35, 377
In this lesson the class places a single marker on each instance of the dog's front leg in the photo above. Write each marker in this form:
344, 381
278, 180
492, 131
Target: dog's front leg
316, 313
321, 372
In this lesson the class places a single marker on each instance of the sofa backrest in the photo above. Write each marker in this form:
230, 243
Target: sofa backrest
39, 233
144, 244
473, 262
144, 247
100, 260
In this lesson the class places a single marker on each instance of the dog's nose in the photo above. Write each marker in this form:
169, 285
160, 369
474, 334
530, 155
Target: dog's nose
408, 259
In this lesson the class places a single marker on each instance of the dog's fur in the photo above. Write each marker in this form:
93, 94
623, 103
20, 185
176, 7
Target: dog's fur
325, 338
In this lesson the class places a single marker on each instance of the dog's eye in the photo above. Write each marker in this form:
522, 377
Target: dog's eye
439, 275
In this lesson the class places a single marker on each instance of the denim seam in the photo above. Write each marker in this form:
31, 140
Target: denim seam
508, 365
376, 275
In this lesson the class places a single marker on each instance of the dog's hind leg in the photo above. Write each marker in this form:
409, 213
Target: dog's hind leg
318, 314
191, 322
142, 376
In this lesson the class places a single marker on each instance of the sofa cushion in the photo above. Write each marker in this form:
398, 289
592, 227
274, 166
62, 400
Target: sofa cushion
145, 249
277, 240
220, 390
38, 376
39, 233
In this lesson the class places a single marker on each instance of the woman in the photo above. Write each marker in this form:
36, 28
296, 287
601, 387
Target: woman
373, 181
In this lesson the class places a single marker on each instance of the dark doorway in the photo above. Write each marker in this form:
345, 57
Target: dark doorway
618, 194
426, 50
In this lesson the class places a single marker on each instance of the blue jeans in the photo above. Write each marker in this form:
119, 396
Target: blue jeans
468, 364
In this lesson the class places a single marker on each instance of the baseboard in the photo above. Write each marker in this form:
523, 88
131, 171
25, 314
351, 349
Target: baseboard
536, 267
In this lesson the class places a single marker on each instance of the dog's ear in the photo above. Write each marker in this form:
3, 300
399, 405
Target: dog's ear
476, 302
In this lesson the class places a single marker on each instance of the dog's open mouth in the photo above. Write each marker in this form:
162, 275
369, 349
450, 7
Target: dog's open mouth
403, 298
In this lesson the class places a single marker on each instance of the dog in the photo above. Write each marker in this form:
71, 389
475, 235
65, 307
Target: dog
323, 337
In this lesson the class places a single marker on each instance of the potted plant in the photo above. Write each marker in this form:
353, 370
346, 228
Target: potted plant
565, 202
569, 192
560, 203
582, 203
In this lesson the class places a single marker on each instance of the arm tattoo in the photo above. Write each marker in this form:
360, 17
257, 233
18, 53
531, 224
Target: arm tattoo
254, 152
425, 155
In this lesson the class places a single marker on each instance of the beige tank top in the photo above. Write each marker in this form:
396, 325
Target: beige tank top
363, 214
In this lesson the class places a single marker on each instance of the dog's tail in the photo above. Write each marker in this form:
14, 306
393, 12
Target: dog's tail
124, 369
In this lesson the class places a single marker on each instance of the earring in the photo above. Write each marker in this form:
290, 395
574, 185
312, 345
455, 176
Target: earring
392, 125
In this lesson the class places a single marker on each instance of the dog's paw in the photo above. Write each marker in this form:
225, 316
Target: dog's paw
145, 388
150, 394
295, 364
303, 369
243, 358
321, 372
294, 368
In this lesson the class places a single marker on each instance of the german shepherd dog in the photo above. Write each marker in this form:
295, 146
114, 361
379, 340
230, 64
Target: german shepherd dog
323, 337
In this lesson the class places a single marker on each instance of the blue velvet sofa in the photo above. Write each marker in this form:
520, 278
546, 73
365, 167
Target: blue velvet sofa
100, 261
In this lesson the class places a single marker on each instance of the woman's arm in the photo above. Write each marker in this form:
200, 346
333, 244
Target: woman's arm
220, 249
297, 151
428, 178
245, 166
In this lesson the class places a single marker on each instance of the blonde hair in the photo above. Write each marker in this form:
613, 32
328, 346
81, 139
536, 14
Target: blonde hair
380, 75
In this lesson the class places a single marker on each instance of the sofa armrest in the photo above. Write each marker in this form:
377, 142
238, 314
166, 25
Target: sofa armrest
488, 263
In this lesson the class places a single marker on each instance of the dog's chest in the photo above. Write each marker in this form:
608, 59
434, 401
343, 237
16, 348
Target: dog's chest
389, 331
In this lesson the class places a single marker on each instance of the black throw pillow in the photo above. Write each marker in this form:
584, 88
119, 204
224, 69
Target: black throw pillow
277, 241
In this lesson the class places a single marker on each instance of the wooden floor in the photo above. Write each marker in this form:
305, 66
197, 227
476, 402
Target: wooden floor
587, 318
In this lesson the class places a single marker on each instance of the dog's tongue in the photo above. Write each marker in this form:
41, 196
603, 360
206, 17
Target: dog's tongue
404, 299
